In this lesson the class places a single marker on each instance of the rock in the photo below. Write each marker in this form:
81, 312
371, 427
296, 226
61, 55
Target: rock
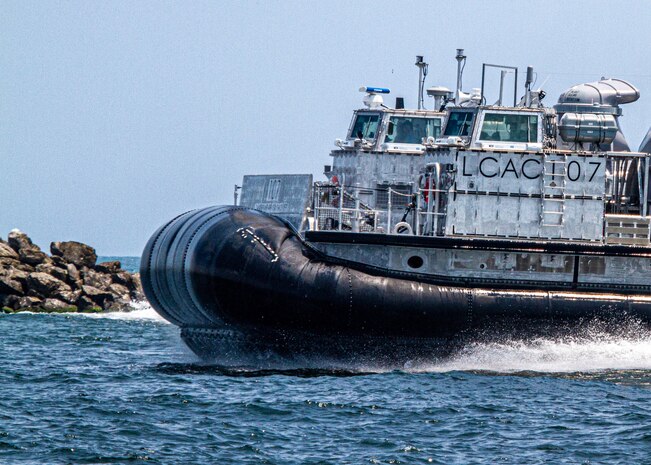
120, 291
69, 280
6, 251
98, 296
96, 279
18, 275
26, 251
10, 286
133, 282
59, 273
55, 305
27, 303
86, 304
109, 267
59, 261
32, 256
10, 263
52, 270
19, 240
122, 277
137, 293
10, 301
119, 305
42, 284
6, 262
71, 297
75, 252
26, 267
73, 272
91, 291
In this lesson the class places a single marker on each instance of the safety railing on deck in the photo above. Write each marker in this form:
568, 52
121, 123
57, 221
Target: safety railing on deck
338, 208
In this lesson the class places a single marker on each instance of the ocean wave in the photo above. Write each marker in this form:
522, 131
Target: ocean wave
141, 311
597, 352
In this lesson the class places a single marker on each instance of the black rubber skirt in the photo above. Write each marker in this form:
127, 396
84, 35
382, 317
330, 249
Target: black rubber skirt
236, 279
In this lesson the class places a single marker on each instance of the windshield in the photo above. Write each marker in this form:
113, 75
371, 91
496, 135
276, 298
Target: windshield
365, 126
459, 123
509, 127
405, 130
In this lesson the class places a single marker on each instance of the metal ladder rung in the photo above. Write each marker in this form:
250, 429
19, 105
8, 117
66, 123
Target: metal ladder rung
554, 180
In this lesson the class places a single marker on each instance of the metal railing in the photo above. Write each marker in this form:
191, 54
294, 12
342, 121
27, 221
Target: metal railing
337, 208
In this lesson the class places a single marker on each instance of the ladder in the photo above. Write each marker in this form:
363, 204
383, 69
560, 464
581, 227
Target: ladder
552, 205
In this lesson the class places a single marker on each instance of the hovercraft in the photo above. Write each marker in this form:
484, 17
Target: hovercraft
432, 227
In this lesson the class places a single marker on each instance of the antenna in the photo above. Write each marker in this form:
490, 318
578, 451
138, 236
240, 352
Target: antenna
527, 86
502, 76
441, 95
422, 72
461, 58
372, 99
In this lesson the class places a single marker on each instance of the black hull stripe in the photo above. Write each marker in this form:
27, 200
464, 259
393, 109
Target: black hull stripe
480, 243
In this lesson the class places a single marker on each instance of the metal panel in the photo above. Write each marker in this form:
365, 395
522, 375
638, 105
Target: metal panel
528, 195
627, 229
512, 266
284, 195
615, 270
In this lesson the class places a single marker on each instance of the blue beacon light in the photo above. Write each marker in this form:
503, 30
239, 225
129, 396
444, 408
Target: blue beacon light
375, 90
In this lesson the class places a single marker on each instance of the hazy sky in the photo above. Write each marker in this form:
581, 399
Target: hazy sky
116, 116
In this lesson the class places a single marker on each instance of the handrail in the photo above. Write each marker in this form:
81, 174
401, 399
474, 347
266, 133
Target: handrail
347, 212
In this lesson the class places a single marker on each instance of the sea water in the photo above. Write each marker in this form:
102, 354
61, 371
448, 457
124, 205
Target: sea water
121, 388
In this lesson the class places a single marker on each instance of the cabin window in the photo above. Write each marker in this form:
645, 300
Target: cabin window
509, 127
459, 123
405, 130
365, 127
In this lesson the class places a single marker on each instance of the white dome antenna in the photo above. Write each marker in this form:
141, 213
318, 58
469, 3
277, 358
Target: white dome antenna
441, 96
373, 99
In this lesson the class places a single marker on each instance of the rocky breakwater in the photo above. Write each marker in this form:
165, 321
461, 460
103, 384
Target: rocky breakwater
67, 280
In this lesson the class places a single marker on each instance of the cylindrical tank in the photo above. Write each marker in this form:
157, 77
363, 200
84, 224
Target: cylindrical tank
611, 92
588, 127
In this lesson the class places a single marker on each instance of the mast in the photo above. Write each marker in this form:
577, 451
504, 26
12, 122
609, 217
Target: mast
422, 72
461, 63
